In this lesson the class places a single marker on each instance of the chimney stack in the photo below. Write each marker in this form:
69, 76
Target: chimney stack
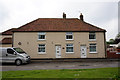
64, 15
81, 17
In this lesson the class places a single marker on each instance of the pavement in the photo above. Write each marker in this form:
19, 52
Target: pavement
48, 64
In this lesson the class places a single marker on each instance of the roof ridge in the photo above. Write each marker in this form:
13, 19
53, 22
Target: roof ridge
57, 18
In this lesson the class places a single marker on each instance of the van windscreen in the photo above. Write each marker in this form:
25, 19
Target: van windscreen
19, 50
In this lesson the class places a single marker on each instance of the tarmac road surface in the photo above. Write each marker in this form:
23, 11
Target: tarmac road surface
37, 65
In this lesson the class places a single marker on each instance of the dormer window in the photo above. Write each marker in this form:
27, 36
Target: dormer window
69, 36
41, 36
92, 36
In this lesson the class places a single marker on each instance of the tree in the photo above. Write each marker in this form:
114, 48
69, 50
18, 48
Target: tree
117, 38
111, 41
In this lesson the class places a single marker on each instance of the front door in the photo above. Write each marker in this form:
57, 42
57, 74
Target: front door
58, 51
83, 51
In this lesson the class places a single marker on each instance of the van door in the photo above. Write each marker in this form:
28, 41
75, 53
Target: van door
10, 56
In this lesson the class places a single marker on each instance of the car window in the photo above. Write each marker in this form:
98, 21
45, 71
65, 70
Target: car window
19, 50
10, 51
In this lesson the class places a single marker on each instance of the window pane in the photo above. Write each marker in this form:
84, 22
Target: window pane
69, 47
69, 44
69, 37
92, 47
41, 48
93, 44
92, 35
41, 35
19, 50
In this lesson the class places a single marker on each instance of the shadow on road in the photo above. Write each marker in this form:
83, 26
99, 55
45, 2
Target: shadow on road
10, 64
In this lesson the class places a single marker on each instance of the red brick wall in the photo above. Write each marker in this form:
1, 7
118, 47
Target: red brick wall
118, 50
112, 54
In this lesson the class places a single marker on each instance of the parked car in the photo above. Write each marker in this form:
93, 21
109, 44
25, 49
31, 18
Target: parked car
13, 55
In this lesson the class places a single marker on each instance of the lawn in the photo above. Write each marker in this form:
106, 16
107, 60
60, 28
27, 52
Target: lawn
64, 73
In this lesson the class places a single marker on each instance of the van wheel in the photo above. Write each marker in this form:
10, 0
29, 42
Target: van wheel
18, 62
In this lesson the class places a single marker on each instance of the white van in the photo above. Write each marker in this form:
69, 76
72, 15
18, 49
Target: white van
13, 55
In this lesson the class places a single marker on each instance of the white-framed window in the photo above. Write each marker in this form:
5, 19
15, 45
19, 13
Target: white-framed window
92, 48
69, 48
69, 36
41, 35
41, 48
92, 36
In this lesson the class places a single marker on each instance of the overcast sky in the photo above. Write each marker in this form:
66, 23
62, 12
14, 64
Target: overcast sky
102, 13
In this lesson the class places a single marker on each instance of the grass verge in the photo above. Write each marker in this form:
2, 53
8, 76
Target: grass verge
64, 73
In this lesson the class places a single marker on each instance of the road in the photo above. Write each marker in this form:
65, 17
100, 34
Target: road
37, 65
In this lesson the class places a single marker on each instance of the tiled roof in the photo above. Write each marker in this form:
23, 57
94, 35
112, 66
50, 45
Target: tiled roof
7, 40
58, 24
8, 32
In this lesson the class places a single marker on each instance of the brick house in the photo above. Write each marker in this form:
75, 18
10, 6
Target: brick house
61, 38
6, 38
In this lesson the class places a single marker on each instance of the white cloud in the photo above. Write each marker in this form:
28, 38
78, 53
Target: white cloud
15, 13
112, 28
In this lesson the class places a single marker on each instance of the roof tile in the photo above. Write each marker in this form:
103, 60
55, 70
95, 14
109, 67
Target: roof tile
7, 40
58, 24
8, 32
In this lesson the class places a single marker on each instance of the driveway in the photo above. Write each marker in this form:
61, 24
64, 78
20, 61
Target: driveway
37, 65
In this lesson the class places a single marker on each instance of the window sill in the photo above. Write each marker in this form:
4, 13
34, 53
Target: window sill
93, 52
92, 39
69, 39
42, 53
69, 52
41, 39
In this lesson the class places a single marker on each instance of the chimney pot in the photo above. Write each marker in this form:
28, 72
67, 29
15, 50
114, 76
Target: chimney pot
81, 17
64, 15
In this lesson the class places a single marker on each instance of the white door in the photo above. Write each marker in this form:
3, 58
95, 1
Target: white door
83, 51
58, 51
